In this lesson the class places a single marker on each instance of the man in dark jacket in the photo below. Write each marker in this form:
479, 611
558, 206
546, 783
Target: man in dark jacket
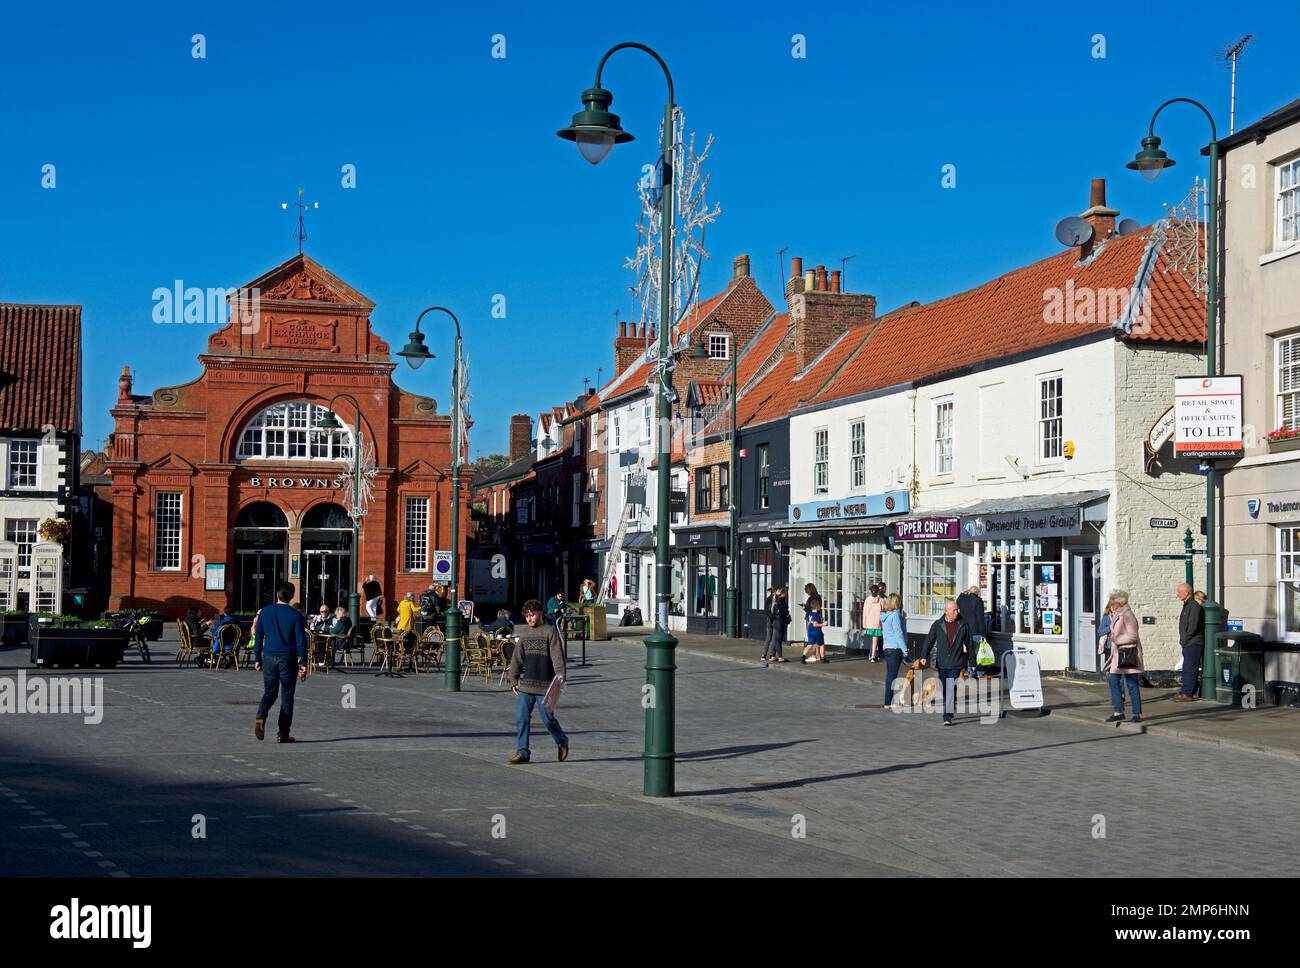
970, 606
538, 658
1191, 636
280, 653
946, 648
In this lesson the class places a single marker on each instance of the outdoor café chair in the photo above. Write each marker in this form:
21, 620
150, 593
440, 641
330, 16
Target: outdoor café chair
228, 637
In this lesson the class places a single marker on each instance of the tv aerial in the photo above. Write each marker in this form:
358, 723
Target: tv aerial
1073, 230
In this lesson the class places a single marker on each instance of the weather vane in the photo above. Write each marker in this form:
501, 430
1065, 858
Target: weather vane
301, 232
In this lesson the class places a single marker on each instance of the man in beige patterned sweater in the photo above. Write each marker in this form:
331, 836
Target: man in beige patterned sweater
538, 658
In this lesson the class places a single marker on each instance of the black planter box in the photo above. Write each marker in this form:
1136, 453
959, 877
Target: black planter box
56, 647
13, 629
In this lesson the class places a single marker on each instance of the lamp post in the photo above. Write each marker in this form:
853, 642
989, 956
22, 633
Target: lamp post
733, 592
596, 131
330, 423
1149, 163
415, 353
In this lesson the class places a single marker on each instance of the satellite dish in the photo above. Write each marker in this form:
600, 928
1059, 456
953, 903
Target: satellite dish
1073, 231
1127, 225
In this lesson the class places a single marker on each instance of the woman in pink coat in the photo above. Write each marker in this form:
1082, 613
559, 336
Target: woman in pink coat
871, 620
1123, 635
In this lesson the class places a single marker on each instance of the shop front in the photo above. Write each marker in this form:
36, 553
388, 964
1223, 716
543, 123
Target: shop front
704, 550
842, 549
1035, 561
764, 564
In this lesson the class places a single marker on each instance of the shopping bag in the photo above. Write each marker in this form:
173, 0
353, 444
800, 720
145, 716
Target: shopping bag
984, 655
553, 693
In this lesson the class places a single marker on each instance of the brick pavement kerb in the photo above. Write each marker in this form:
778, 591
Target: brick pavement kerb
1274, 730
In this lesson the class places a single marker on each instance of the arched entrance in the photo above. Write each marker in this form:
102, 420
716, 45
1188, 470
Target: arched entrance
261, 541
326, 557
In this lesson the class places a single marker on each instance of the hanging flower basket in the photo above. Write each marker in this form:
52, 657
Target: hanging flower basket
55, 529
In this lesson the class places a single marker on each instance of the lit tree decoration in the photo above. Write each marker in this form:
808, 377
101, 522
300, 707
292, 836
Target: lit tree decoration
1181, 233
691, 213
366, 492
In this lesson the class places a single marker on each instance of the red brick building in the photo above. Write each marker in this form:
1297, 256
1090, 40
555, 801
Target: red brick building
224, 485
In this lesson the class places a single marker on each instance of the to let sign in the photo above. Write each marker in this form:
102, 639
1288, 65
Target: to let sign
1207, 417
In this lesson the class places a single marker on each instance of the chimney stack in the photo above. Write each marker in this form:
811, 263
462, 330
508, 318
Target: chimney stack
740, 266
822, 312
628, 347
1101, 218
521, 436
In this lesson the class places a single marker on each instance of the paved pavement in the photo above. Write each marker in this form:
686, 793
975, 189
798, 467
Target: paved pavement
413, 780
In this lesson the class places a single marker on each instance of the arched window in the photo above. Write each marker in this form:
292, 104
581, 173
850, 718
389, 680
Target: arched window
289, 431
261, 514
327, 516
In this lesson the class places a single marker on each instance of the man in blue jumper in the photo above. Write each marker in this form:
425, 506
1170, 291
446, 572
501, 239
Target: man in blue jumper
281, 651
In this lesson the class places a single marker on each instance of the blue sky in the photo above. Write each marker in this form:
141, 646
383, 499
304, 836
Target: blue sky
170, 167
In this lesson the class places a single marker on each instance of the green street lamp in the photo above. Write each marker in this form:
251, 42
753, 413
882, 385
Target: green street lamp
1149, 163
416, 355
329, 423
596, 131
701, 352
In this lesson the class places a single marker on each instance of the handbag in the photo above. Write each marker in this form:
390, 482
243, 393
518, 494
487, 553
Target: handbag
1127, 658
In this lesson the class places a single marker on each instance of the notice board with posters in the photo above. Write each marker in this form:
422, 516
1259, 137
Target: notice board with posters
1207, 417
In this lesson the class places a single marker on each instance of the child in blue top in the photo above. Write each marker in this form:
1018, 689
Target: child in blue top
816, 643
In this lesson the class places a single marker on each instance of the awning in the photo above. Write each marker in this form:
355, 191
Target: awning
1026, 516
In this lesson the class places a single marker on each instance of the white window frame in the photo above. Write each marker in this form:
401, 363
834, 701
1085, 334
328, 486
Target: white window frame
578, 436
764, 489
577, 499
173, 533
719, 346
645, 415
1051, 419
821, 460
616, 438
286, 431
858, 454
27, 447
25, 538
1286, 379
595, 433
415, 534
1286, 194
943, 460
1288, 573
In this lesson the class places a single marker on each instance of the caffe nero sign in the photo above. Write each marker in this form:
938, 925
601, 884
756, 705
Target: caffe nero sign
1056, 523
869, 505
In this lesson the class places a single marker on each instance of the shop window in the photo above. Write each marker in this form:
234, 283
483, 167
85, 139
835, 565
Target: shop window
824, 573
677, 601
1025, 582
632, 575
863, 566
931, 577
1288, 577
760, 578
704, 591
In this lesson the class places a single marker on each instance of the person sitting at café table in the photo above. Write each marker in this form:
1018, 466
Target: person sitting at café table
341, 625
321, 621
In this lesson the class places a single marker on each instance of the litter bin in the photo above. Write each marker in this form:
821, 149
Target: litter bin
1241, 665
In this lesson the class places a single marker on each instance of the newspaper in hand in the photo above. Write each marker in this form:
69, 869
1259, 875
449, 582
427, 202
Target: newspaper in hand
552, 696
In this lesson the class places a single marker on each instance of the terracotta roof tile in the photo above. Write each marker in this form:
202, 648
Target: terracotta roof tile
1010, 315
40, 367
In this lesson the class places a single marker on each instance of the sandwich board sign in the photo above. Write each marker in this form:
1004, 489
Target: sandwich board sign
1024, 684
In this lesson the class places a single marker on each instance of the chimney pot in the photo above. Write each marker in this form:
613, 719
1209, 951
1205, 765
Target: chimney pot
835, 280
1098, 194
740, 266
820, 279
808, 278
796, 267
622, 330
